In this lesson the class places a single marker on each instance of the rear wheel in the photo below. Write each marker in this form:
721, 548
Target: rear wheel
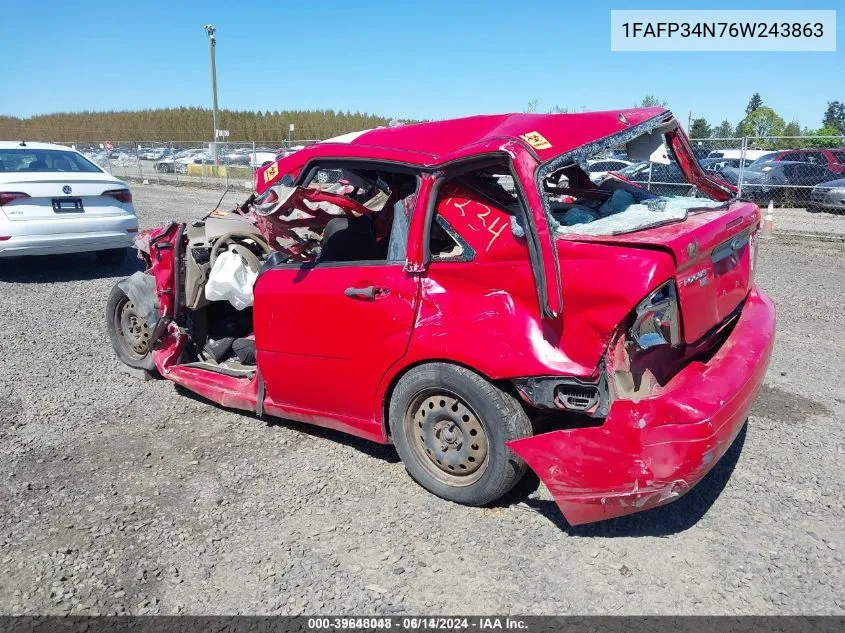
451, 428
129, 331
112, 255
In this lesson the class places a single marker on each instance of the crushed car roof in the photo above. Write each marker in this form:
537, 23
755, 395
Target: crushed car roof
438, 142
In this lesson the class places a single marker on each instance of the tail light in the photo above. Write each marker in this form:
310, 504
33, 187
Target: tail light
8, 196
657, 320
121, 195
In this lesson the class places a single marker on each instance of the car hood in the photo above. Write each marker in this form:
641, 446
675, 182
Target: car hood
833, 184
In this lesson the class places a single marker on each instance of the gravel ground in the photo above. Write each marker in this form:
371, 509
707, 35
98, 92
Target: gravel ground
122, 496
800, 221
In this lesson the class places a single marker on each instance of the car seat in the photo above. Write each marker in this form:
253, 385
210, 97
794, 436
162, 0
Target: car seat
37, 165
348, 240
398, 243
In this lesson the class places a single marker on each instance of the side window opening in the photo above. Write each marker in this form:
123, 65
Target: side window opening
476, 211
444, 244
343, 214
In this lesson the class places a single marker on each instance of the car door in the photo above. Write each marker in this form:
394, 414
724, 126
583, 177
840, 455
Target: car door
326, 333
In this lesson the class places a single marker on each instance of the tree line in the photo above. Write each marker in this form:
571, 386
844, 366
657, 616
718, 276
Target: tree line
195, 124
184, 124
761, 122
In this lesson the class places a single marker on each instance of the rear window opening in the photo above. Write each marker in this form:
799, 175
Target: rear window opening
44, 160
615, 206
644, 194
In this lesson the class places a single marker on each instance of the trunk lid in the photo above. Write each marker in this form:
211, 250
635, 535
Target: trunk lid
714, 254
65, 188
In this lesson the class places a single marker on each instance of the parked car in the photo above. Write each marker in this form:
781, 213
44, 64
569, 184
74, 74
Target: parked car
662, 180
716, 165
752, 154
287, 151
781, 182
261, 157
599, 168
700, 153
177, 162
152, 153
205, 158
828, 196
238, 157
54, 200
832, 160
419, 302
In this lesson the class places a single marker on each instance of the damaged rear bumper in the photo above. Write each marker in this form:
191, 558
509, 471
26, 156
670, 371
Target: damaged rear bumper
650, 452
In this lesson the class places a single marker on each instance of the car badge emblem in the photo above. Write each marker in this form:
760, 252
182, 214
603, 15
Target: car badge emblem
692, 249
66, 190
700, 277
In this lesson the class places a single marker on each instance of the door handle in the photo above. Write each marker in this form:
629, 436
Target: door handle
370, 293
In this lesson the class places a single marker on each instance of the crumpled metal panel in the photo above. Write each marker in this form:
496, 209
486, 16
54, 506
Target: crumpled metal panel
650, 452
141, 290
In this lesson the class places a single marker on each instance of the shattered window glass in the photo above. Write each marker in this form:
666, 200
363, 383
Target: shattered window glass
338, 215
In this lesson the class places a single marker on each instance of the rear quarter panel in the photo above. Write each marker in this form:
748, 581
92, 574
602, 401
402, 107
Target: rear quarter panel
484, 313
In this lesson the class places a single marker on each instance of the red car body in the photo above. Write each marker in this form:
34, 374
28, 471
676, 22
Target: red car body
526, 309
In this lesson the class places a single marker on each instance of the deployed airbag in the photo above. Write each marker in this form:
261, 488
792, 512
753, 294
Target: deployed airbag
231, 280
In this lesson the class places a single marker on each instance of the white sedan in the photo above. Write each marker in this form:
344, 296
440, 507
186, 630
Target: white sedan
54, 200
259, 158
597, 169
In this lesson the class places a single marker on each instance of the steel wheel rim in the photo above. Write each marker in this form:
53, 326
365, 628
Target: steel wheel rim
133, 331
447, 437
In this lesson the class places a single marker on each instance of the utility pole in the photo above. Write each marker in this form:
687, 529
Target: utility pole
212, 44
689, 119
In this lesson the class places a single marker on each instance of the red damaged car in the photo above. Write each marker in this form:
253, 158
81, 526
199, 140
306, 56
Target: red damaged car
462, 290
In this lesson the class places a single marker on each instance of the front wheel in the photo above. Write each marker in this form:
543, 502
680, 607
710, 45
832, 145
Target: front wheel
451, 428
129, 331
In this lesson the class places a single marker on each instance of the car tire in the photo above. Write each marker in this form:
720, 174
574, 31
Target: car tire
460, 451
112, 256
131, 347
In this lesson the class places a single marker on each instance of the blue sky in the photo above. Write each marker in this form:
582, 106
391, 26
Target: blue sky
407, 59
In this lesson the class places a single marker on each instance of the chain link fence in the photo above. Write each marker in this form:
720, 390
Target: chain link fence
197, 163
788, 171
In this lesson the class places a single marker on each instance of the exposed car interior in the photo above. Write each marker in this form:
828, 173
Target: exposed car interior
336, 216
